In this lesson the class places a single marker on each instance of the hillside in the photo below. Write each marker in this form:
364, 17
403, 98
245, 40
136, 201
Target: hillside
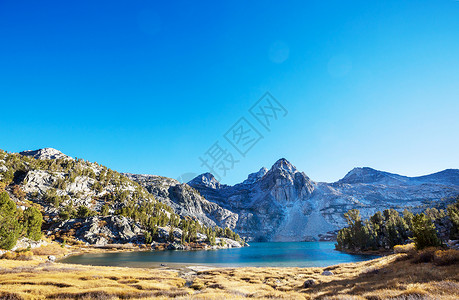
85, 202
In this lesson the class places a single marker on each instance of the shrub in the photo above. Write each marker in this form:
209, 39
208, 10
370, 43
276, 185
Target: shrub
105, 210
148, 238
19, 193
22, 255
197, 285
8, 255
27, 255
408, 248
52, 197
425, 256
68, 212
84, 212
446, 257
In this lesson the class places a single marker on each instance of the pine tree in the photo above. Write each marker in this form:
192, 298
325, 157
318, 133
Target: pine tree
9, 225
171, 234
424, 233
453, 214
33, 220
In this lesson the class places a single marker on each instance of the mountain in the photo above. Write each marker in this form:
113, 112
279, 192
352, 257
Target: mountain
279, 204
283, 204
82, 201
45, 153
185, 200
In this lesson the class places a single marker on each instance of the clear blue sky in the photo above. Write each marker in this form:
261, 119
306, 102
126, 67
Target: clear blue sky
145, 87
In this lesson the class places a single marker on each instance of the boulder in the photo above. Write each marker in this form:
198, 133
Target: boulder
327, 273
308, 283
102, 231
176, 246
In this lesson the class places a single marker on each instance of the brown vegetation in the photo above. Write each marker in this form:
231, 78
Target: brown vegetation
51, 249
430, 274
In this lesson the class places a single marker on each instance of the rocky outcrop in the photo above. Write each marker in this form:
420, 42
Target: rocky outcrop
283, 204
253, 177
186, 201
25, 243
45, 153
100, 231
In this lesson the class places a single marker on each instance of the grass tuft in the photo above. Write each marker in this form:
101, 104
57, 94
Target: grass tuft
10, 296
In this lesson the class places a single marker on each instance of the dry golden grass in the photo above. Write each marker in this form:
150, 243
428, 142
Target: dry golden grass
34, 280
392, 277
51, 249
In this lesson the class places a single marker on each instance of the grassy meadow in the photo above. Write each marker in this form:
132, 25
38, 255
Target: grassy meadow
430, 274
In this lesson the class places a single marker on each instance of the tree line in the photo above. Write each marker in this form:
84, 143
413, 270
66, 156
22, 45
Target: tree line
386, 229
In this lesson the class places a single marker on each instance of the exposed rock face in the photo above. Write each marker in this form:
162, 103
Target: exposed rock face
45, 153
253, 177
283, 204
263, 202
208, 180
229, 243
101, 231
186, 201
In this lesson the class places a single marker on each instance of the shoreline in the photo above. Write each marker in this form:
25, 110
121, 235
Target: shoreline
369, 252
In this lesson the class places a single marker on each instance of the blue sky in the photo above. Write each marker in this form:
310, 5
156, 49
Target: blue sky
145, 87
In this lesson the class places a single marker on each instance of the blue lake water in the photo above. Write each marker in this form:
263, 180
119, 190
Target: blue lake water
295, 254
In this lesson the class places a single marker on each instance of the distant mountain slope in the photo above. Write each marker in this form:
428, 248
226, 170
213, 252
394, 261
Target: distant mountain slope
185, 200
283, 204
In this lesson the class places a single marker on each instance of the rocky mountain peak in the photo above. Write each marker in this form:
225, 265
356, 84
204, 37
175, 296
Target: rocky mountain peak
369, 175
254, 177
361, 175
45, 153
207, 180
283, 165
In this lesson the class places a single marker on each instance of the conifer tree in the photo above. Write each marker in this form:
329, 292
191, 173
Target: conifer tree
9, 225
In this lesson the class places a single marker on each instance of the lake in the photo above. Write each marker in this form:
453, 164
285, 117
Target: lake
292, 254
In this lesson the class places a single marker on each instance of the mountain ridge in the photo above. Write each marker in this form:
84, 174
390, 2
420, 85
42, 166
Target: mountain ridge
277, 204
278, 165
286, 205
